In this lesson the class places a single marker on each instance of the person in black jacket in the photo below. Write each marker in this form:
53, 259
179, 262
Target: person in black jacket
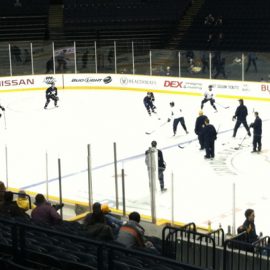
51, 93
199, 125
257, 133
161, 164
240, 116
209, 134
148, 103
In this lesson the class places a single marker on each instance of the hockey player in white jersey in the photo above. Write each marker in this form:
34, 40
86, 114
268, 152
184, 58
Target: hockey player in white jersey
209, 96
177, 116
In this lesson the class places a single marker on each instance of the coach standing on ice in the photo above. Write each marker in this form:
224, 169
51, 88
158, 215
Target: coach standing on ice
257, 133
240, 116
209, 134
199, 126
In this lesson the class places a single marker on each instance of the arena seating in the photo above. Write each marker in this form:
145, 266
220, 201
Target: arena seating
24, 20
245, 26
118, 19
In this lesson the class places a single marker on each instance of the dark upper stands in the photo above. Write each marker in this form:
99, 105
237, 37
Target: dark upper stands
23, 19
151, 20
246, 26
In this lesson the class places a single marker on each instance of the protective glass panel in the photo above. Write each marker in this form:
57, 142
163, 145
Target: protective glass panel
256, 66
64, 57
5, 63
43, 58
85, 57
21, 58
124, 57
165, 63
105, 57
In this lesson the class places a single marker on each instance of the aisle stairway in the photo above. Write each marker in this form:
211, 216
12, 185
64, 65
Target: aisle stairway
184, 25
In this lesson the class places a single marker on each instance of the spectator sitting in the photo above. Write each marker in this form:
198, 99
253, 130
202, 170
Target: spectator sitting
95, 224
23, 201
112, 221
249, 226
131, 234
2, 192
45, 212
10, 208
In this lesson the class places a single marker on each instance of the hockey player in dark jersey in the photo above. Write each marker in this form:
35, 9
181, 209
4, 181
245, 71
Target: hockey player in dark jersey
51, 93
3, 109
148, 103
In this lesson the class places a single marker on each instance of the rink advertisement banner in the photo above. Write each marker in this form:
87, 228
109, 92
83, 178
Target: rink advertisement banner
172, 85
24, 83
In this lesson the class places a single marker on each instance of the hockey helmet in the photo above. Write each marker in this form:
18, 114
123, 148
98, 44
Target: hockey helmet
172, 103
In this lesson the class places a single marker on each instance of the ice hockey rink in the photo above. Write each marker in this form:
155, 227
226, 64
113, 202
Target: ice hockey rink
202, 189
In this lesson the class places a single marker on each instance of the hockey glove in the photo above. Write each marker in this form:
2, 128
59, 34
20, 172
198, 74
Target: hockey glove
169, 120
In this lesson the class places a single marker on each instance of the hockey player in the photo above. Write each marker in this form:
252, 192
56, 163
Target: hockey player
209, 96
240, 116
177, 116
148, 103
199, 125
51, 93
3, 109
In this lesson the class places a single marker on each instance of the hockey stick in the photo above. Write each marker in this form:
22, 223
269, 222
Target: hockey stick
151, 132
222, 106
240, 144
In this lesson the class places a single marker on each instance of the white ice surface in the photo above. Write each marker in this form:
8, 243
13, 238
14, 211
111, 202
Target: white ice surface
203, 189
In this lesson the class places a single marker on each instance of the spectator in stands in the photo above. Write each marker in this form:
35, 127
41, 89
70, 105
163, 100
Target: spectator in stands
10, 208
220, 68
95, 225
27, 58
2, 192
252, 58
16, 53
49, 65
205, 61
85, 59
45, 212
23, 201
168, 71
114, 222
131, 234
62, 60
249, 226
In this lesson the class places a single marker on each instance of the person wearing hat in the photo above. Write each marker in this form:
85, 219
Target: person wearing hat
114, 222
45, 212
240, 116
160, 161
209, 96
178, 117
51, 94
23, 201
199, 125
